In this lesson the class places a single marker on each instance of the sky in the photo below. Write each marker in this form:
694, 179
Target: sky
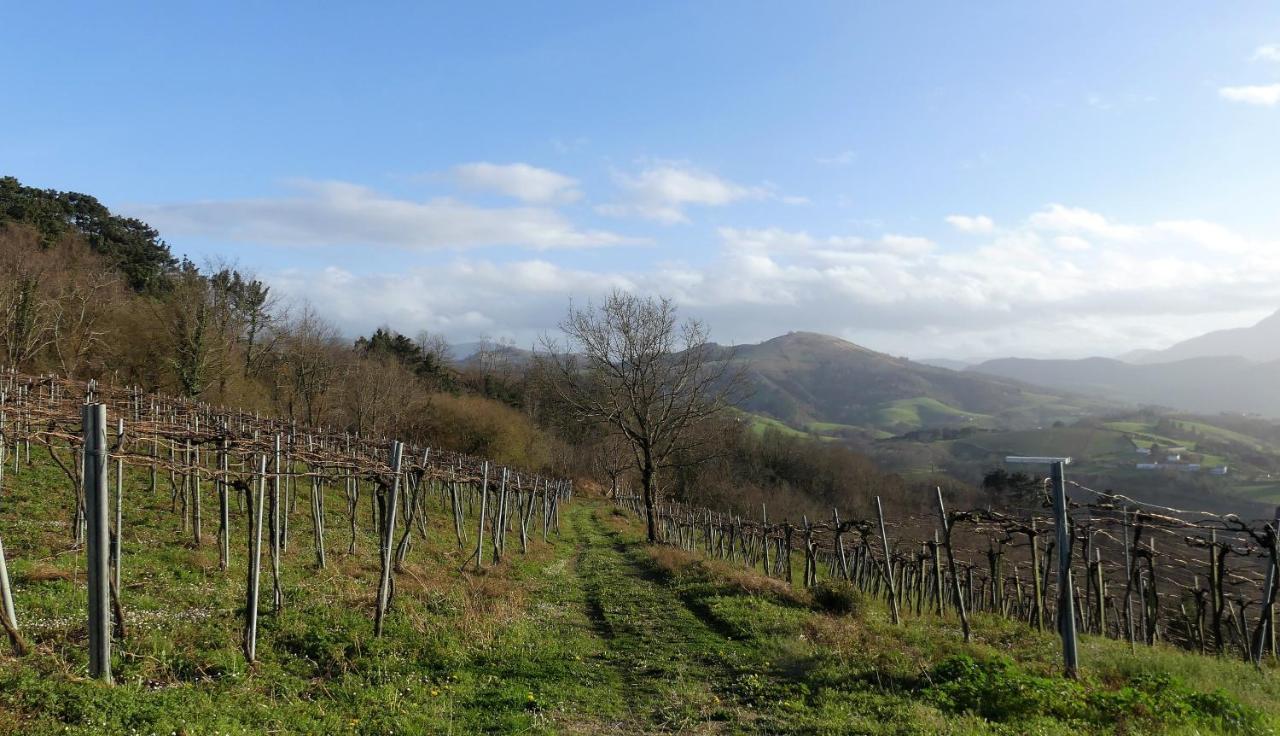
931, 179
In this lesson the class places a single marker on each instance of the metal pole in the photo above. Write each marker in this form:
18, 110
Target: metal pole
1268, 595
255, 507
1066, 596
97, 508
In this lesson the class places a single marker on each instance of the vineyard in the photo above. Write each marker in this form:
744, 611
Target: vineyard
262, 467
412, 590
1087, 561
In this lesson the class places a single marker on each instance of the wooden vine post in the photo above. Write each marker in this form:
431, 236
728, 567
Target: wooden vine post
387, 532
255, 507
888, 565
951, 566
276, 534
119, 513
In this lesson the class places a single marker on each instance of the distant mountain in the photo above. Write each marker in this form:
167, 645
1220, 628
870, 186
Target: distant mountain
1202, 384
1259, 343
812, 380
948, 363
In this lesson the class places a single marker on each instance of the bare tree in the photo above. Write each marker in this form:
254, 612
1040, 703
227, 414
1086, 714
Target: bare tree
305, 365
611, 456
24, 306
631, 365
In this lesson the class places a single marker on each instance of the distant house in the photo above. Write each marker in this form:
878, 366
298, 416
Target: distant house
1174, 457
1148, 466
1220, 470
1143, 450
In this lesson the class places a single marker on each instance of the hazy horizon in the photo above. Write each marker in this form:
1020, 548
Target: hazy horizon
926, 179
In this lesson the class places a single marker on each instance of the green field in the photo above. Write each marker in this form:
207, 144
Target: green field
924, 412
1227, 435
1061, 441
761, 424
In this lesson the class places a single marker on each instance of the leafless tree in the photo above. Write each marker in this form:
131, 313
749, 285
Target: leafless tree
611, 456
435, 347
24, 305
631, 365
305, 365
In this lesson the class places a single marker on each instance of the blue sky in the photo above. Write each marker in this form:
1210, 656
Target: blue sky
960, 179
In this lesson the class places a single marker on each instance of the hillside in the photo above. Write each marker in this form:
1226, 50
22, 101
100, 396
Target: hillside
1205, 385
804, 379
596, 633
1259, 342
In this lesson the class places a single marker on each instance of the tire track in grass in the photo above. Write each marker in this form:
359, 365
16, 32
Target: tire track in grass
678, 673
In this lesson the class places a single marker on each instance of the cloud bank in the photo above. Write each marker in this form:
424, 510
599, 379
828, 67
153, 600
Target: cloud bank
335, 213
1066, 280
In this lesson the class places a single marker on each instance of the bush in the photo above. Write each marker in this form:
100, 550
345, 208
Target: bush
839, 597
998, 690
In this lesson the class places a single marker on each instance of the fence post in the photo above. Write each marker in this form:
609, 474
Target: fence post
1066, 595
276, 511
1268, 593
94, 426
224, 506
8, 617
951, 565
255, 508
387, 531
888, 565
116, 559
484, 509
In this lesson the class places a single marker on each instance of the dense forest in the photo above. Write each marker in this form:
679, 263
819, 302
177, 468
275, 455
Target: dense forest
86, 293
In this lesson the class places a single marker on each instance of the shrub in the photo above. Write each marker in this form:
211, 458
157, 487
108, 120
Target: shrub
838, 596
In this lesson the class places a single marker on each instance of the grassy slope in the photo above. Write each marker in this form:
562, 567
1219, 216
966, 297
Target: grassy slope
924, 411
1070, 441
595, 633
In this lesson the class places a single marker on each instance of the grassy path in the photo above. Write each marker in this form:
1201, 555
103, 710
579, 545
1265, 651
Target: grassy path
674, 670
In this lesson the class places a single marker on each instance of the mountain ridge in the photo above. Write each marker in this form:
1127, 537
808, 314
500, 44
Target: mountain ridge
808, 378
1259, 342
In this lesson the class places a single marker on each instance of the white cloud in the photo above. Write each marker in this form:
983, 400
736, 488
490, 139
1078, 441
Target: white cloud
844, 158
1071, 242
1060, 218
1270, 52
664, 189
971, 224
1266, 95
1065, 281
521, 181
340, 213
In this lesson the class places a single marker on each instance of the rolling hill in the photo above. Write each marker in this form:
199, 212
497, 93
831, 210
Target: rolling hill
806, 379
1205, 385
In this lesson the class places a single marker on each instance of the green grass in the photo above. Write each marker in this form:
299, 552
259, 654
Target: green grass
1140, 433
1223, 434
761, 424
924, 411
594, 633
1075, 442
